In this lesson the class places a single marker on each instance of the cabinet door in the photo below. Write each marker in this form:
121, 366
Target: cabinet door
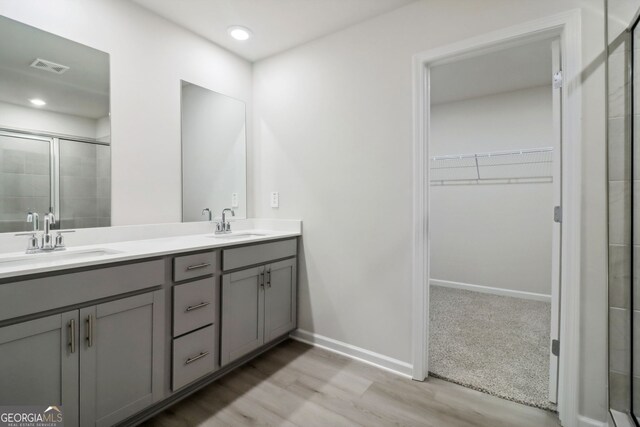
280, 299
121, 358
39, 366
242, 313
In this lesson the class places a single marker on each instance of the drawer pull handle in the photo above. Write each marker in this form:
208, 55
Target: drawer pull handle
197, 306
194, 358
197, 266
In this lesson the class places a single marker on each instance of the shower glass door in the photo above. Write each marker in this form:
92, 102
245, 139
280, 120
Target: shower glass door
84, 197
634, 105
623, 114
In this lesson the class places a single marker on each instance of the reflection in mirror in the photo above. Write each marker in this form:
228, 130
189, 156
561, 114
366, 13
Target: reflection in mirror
55, 152
213, 153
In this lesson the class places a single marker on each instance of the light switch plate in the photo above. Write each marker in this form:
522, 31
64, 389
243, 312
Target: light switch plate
234, 200
275, 199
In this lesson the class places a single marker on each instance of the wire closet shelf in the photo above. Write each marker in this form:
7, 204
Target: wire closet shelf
497, 167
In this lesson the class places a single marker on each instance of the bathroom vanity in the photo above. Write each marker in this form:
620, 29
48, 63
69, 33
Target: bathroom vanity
121, 333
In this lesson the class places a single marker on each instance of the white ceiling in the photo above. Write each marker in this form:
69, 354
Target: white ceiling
83, 90
277, 25
506, 70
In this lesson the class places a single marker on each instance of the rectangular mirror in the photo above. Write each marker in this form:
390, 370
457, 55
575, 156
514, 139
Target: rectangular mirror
55, 132
213, 153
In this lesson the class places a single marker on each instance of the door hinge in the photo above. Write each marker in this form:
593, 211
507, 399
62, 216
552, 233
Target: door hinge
557, 79
557, 213
555, 347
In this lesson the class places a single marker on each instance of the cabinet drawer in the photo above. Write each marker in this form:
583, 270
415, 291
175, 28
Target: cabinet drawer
194, 305
258, 254
193, 357
192, 266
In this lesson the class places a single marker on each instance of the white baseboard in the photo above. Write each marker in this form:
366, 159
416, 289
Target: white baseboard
590, 422
490, 290
378, 360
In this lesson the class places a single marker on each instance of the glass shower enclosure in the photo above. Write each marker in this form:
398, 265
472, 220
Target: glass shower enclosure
623, 147
69, 177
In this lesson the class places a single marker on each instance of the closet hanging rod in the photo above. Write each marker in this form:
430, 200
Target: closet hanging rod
494, 154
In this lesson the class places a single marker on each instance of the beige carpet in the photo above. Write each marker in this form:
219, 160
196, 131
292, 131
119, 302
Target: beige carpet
495, 344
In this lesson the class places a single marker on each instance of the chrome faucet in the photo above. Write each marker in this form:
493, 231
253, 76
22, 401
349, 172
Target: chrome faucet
224, 226
208, 211
48, 244
48, 241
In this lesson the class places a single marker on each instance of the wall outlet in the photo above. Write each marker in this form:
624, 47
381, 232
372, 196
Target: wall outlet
234, 200
275, 199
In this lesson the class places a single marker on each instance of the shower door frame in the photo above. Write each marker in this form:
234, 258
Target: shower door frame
567, 27
635, 25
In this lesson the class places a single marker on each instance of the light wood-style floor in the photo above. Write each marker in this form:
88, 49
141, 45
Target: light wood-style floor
298, 385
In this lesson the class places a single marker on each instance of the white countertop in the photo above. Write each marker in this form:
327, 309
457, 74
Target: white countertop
87, 255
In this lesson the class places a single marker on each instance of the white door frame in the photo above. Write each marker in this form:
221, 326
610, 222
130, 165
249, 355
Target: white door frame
567, 26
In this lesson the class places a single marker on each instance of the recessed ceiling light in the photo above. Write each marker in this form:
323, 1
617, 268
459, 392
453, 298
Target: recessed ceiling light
37, 102
239, 33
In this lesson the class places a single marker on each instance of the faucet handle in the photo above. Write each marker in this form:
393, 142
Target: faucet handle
60, 238
32, 244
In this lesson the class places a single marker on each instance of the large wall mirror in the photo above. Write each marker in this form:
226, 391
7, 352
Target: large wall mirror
213, 153
55, 136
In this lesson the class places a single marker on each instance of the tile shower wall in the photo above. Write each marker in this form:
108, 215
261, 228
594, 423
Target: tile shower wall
24, 181
85, 185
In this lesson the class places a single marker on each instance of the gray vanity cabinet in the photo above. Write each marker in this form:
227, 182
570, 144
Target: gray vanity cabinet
258, 306
242, 313
280, 299
39, 365
121, 355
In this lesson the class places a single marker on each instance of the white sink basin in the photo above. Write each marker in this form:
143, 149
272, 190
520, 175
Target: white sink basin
238, 235
52, 257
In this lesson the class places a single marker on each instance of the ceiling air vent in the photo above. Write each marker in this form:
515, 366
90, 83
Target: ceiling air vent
43, 64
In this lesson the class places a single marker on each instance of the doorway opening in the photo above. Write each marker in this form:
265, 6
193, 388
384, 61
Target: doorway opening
564, 27
494, 245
